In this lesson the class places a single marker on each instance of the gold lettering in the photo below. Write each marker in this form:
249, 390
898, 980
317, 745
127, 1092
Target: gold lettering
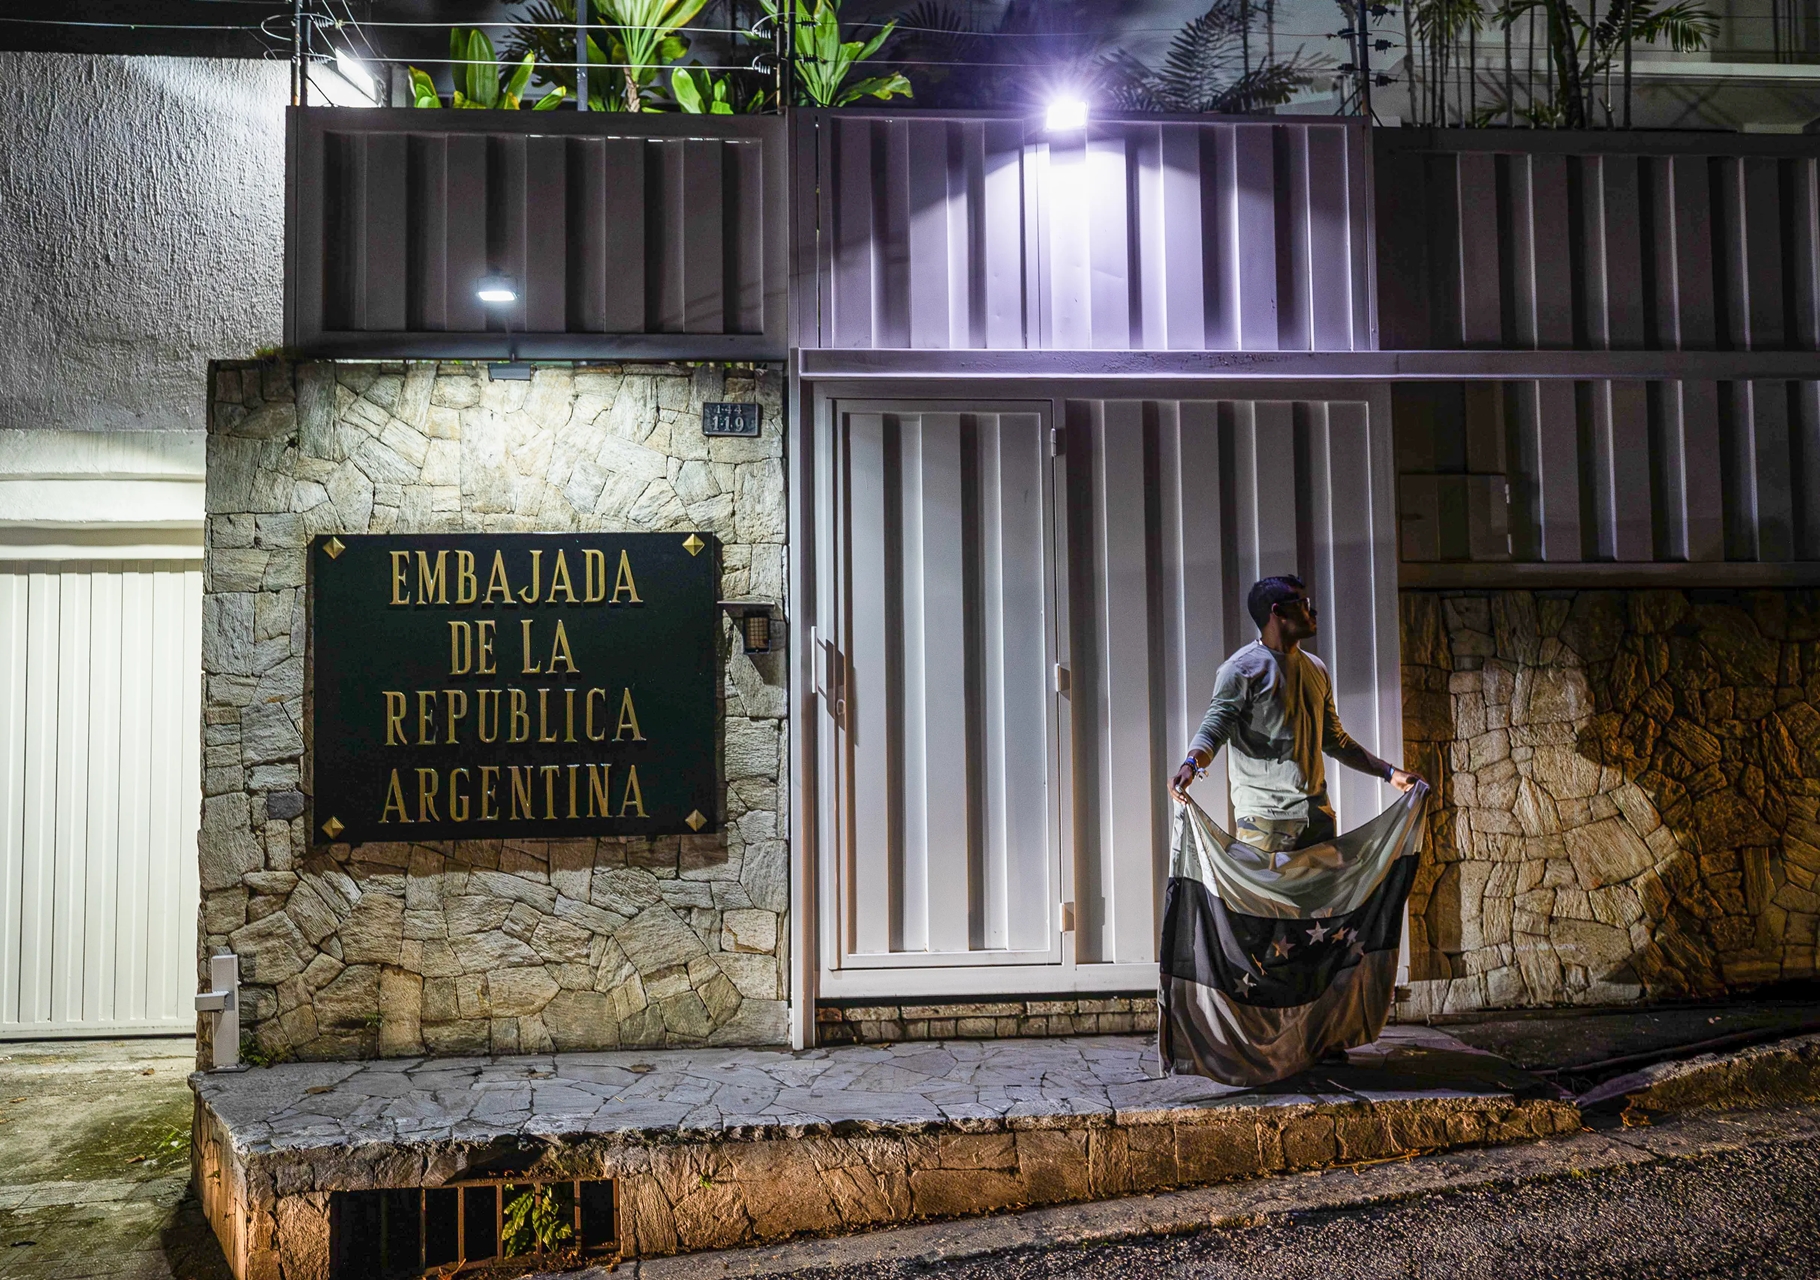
521, 790
559, 648
426, 795
632, 795
467, 586
496, 581
530, 596
401, 563
549, 772
519, 730
543, 717
426, 715
458, 800
598, 778
394, 799
568, 697
433, 584
458, 709
594, 574
623, 584
395, 709
461, 648
489, 782
628, 719
484, 664
572, 774
589, 703
480, 717
559, 580
530, 668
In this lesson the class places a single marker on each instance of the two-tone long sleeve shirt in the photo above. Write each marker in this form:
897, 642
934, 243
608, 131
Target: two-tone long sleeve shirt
1275, 712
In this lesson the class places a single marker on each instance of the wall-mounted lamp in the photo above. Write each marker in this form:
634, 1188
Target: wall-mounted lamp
1065, 115
496, 291
760, 624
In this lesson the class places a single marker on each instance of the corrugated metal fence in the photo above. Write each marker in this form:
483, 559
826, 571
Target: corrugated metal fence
626, 234
1018, 645
1624, 241
943, 232
100, 681
1610, 471
1603, 241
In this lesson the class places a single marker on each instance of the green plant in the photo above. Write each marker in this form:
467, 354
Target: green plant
645, 39
824, 60
253, 1055
482, 79
1569, 73
699, 93
549, 35
1211, 67
534, 1222
1582, 51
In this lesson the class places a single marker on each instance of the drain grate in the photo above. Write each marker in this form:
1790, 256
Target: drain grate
414, 1231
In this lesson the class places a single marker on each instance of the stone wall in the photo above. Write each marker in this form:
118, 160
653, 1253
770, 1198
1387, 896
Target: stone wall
496, 945
1630, 784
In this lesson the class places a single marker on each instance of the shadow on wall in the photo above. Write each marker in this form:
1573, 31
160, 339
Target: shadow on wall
1630, 782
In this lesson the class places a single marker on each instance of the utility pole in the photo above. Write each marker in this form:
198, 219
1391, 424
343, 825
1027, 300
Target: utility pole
298, 76
1363, 23
581, 54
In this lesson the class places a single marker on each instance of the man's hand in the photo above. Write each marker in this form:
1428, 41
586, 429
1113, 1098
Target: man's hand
1403, 779
1184, 778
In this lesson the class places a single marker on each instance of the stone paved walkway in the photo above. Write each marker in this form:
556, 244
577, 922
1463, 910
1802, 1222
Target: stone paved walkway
94, 1163
970, 1086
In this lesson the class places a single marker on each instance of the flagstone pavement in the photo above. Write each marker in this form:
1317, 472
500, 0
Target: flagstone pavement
750, 1094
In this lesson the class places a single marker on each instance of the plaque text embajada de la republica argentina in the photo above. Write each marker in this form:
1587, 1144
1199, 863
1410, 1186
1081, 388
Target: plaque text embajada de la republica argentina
474, 686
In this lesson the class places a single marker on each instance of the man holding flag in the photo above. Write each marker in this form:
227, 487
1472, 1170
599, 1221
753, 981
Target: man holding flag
1279, 946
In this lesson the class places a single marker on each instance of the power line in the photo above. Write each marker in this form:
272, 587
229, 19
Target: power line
134, 26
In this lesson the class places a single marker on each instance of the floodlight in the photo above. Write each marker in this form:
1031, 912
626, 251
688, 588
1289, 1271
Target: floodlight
358, 74
496, 290
1065, 114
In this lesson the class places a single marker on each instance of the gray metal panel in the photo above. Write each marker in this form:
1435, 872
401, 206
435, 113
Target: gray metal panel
1597, 240
939, 610
1622, 471
954, 232
652, 236
1174, 508
962, 797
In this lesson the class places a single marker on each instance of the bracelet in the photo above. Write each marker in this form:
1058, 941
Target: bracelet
1200, 770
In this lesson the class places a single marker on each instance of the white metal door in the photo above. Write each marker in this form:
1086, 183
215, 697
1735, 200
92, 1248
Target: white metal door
1017, 633
100, 682
938, 639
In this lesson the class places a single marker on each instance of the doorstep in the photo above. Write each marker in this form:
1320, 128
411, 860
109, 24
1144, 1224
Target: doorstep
710, 1148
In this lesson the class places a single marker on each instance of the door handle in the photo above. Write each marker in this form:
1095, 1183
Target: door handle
833, 682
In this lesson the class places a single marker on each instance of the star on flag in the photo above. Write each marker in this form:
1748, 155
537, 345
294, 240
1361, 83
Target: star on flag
1318, 932
1281, 947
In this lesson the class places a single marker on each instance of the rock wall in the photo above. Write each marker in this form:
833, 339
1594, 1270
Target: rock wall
1630, 784
496, 945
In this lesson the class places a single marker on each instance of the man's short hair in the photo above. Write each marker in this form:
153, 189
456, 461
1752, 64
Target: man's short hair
1267, 593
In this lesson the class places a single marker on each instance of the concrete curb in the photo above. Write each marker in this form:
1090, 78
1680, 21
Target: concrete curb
1250, 1203
1780, 1073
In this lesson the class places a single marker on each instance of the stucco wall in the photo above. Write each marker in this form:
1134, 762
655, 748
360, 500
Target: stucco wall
487, 945
143, 233
1630, 786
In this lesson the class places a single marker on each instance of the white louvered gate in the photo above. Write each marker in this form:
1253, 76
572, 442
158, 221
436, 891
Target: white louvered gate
100, 670
1016, 641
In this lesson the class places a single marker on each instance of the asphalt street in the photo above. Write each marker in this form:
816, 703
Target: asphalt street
1745, 1213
